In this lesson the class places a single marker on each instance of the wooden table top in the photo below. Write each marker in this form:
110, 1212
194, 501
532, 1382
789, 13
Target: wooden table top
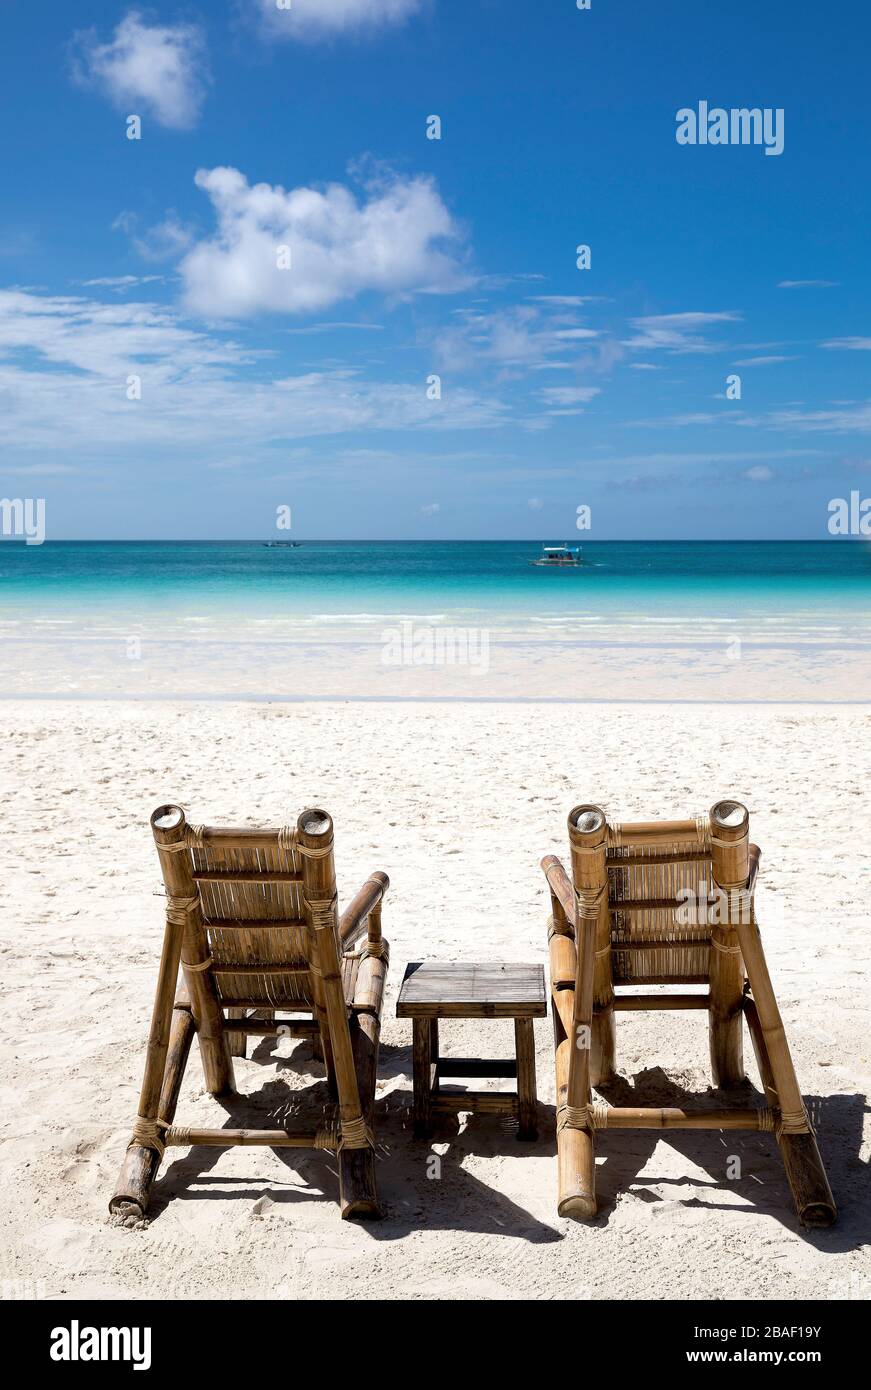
469, 989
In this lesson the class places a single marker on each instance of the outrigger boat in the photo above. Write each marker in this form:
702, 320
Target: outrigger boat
553, 556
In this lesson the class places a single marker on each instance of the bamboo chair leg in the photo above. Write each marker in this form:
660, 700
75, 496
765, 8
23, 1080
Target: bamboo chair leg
139, 1167
315, 830
724, 1013
358, 1195
169, 828
796, 1140
576, 1158
575, 1148
236, 1041
730, 867
576, 1154
603, 1052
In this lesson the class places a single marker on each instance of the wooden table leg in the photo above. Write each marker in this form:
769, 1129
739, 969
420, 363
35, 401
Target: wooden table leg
434, 1051
422, 1062
524, 1042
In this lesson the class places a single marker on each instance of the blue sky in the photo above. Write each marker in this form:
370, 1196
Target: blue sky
306, 386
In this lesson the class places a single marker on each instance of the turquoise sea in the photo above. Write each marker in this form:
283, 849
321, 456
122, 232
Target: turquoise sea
71, 612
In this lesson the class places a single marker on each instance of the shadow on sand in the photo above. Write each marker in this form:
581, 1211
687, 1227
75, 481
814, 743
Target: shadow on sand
434, 1184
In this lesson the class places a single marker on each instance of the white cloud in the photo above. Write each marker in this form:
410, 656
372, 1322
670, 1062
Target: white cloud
762, 361
535, 504
119, 283
164, 241
847, 419
431, 508
310, 20
759, 473
692, 460
851, 344
567, 301
159, 69
398, 240
697, 417
807, 284
65, 360
677, 332
523, 337
568, 400
311, 328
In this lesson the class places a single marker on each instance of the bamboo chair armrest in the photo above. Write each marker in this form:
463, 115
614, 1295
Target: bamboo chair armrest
560, 887
355, 918
754, 870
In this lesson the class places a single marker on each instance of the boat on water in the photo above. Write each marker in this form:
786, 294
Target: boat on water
282, 545
559, 556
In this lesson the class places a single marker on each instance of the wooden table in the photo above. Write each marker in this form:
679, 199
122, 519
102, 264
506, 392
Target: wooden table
432, 990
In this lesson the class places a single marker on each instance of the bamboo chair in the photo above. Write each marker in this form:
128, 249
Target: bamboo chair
251, 916
667, 903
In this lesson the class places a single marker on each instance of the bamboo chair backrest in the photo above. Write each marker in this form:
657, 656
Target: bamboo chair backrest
663, 880
659, 881
228, 905
251, 889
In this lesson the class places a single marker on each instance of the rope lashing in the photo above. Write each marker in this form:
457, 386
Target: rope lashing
328, 1138
728, 844
589, 1117
793, 1122
177, 909
725, 950
147, 1133
553, 931
322, 910
589, 900
313, 852
379, 950
572, 1117
287, 838
356, 1134
197, 966
729, 890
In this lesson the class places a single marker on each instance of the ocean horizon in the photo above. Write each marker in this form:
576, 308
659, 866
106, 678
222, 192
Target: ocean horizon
637, 619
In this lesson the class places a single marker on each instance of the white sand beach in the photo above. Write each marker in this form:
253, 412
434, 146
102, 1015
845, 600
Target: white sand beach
457, 802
